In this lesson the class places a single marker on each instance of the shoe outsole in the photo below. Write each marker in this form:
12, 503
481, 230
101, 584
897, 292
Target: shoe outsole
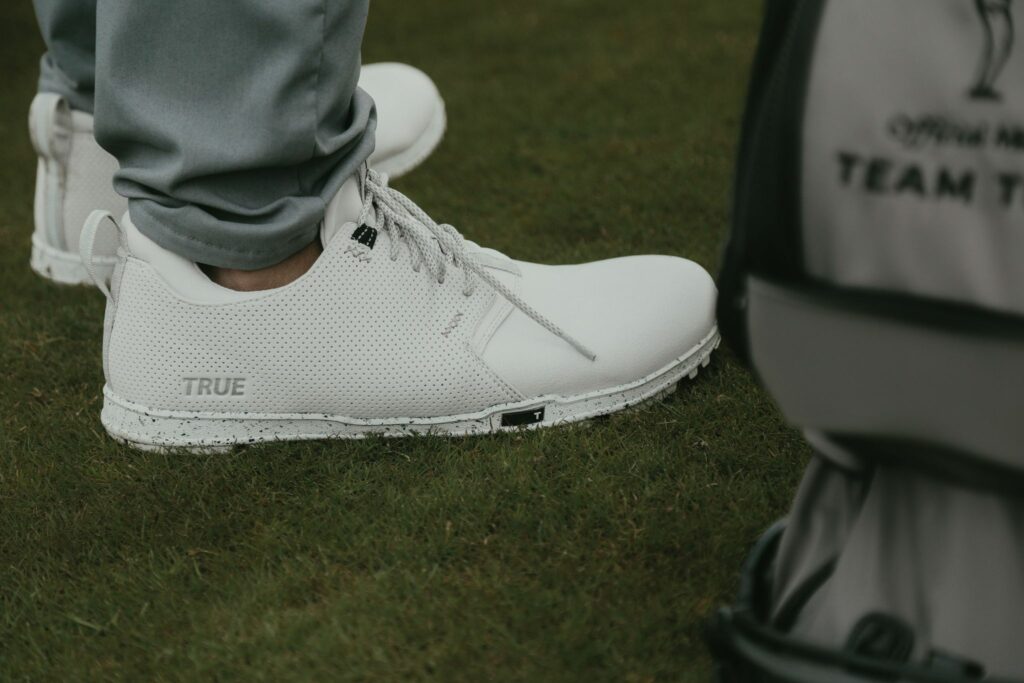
152, 430
65, 267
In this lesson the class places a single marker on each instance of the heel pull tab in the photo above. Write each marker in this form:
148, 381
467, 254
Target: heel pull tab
49, 125
87, 243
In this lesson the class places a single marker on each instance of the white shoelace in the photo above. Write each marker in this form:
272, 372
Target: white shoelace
432, 245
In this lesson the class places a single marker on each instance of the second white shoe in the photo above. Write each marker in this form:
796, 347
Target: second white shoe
401, 327
75, 175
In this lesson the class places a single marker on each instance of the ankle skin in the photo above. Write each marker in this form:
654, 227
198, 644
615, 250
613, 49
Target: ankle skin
277, 275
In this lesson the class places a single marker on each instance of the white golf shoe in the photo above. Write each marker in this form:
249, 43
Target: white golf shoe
74, 174
401, 327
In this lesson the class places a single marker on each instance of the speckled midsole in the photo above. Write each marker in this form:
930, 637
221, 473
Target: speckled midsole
159, 429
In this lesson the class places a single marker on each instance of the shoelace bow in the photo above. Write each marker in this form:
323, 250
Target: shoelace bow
433, 245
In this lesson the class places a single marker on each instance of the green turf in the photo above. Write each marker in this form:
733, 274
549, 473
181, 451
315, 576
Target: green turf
580, 129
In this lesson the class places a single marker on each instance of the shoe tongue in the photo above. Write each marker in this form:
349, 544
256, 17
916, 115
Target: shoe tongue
344, 208
347, 204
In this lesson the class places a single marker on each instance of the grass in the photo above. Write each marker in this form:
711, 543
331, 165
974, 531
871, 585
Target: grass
580, 129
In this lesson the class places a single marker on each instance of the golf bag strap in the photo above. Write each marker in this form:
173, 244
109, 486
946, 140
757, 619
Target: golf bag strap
837, 368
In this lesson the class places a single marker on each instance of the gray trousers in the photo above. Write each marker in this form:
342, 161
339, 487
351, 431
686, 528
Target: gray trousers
233, 122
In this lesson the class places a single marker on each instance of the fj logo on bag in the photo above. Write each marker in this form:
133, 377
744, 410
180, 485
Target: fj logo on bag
997, 18
214, 386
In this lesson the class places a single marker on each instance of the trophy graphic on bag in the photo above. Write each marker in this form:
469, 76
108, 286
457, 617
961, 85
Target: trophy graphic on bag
997, 18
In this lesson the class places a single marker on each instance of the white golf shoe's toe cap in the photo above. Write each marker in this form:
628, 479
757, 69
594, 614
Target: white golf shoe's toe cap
637, 314
410, 115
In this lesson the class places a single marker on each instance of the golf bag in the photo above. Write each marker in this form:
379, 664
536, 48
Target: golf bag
874, 280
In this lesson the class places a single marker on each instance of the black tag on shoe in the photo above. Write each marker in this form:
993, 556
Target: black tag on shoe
364, 234
522, 417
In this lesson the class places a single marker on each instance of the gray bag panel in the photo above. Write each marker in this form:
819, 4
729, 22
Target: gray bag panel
911, 547
913, 150
840, 371
837, 370
812, 543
